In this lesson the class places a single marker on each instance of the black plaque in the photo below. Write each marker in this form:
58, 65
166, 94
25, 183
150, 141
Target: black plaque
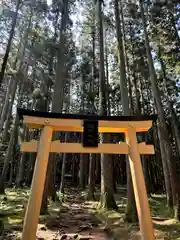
90, 134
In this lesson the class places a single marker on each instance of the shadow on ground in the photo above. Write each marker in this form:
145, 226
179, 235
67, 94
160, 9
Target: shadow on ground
165, 226
79, 219
72, 219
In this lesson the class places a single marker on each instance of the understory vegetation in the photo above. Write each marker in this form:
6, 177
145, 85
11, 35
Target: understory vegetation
75, 216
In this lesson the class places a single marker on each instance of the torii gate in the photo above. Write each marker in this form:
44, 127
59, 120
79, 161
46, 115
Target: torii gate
90, 126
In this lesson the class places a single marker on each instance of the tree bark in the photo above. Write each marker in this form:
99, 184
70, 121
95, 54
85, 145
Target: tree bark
107, 197
91, 180
131, 213
5, 107
107, 191
30, 168
8, 116
8, 156
20, 175
13, 83
57, 103
11, 143
63, 170
166, 151
11, 35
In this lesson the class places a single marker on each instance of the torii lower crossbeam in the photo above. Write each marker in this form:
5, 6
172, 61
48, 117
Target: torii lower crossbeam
50, 122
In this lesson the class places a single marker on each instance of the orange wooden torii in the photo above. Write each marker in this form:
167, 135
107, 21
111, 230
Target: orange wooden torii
90, 126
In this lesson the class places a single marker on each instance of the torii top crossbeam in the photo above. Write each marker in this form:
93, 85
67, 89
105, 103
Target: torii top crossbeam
74, 123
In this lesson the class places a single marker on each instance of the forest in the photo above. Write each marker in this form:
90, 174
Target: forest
93, 57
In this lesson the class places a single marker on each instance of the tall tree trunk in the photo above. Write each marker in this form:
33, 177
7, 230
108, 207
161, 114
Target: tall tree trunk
175, 127
131, 213
8, 48
176, 134
128, 78
5, 107
30, 168
11, 142
74, 170
166, 151
81, 172
91, 180
20, 175
63, 170
14, 130
92, 160
9, 112
13, 158
57, 103
175, 130
13, 82
63, 173
107, 196
107, 75
170, 104
82, 156
98, 169
8, 156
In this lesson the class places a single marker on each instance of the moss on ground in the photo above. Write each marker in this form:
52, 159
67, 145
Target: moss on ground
13, 204
12, 211
165, 226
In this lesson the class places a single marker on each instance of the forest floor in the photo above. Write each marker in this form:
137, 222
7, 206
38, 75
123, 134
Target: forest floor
76, 218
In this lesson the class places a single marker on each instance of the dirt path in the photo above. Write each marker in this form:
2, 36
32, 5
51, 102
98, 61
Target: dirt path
74, 221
